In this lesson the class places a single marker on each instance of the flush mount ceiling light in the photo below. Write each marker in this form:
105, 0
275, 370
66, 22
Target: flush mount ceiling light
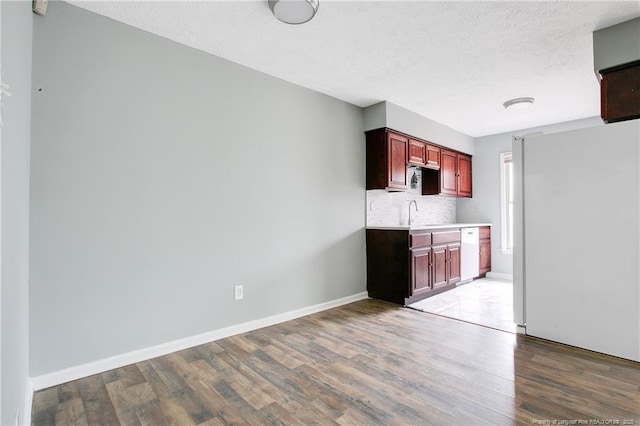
294, 11
518, 103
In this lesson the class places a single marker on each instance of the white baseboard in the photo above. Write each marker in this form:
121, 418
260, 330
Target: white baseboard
73, 373
28, 403
500, 275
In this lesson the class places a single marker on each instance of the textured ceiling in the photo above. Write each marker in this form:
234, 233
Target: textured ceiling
454, 62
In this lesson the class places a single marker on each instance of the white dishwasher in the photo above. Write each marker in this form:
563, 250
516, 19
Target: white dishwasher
470, 254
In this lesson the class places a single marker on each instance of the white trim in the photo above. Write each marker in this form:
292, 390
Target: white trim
100, 366
519, 314
504, 158
28, 403
500, 275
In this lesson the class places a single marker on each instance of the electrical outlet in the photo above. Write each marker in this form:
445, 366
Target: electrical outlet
238, 292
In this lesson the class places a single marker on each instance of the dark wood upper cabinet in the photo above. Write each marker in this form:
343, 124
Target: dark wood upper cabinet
386, 160
389, 153
433, 157
454, 177
620, 92
424, 155
464, 176
448, 173
417, 152
397, 161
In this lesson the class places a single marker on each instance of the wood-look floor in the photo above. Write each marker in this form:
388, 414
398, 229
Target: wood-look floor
366, 363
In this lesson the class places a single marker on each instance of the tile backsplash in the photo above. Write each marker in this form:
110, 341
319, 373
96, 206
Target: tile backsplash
392, 208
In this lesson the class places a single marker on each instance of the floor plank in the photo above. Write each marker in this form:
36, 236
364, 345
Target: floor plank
368, 362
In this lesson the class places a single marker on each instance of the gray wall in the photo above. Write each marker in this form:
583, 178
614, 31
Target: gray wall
404, 120
485, 204
375, 116
163, 176
15, 134
386, 114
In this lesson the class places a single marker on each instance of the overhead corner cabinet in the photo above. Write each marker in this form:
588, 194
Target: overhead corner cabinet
387, 158
485, 250
454, 177
620, 92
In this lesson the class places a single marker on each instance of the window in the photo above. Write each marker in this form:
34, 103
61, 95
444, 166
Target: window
506, 201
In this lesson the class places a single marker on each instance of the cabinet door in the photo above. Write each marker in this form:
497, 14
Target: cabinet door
440, 262
464, 175
417, 152
397, 161
448, 173
485, 256
420, 271
453, 270
432, 160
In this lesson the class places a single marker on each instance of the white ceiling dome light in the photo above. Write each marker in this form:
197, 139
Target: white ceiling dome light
518, 103
294, 11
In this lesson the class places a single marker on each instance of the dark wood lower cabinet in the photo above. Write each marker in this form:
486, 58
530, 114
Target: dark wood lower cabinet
485, 250
420, 270
453, 270
388, 265
403, 266
386, 165
485, 257
446, 265
439, 266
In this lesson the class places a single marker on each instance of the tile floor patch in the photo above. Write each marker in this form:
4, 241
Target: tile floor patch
486, 301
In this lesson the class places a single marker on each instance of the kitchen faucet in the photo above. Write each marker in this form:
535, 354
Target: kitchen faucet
415, 204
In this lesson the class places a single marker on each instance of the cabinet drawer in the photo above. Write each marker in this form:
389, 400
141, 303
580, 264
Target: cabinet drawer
420, 240
485, 233
446, 237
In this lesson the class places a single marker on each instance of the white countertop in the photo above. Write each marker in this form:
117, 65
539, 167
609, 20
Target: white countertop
418, 227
